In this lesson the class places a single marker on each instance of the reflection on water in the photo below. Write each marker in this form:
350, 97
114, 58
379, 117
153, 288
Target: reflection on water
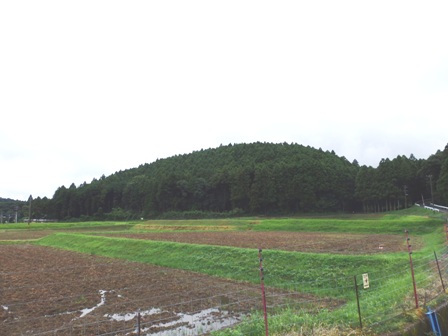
180, 323
184, 324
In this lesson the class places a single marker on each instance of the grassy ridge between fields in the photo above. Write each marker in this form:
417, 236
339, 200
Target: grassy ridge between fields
381, 223
283, 269
386, 224
417, 220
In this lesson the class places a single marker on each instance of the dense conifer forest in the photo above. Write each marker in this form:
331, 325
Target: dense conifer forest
250, 179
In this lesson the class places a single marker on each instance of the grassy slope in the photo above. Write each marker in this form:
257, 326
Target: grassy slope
282, 267
387, 224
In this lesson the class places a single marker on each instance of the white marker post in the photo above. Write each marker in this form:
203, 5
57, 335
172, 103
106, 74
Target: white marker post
365, 280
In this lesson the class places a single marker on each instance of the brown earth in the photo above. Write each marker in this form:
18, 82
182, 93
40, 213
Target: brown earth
50, 291
24, 234
289, 241
32, 234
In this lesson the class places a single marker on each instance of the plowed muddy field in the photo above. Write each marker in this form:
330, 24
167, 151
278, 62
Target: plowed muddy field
46, 291
289, 241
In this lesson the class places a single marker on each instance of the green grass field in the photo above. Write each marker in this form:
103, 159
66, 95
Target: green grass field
324, 275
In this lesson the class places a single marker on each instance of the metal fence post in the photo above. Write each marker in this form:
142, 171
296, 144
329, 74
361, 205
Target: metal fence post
138, 322
440, 273
263, 293
412, 267
446, 230
357, 301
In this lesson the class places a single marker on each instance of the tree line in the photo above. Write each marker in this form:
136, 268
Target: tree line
251, 179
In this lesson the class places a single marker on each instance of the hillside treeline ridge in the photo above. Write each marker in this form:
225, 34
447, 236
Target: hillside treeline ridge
251, 179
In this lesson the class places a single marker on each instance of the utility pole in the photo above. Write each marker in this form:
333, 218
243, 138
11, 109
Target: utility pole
405, 189
30, 199
430, 185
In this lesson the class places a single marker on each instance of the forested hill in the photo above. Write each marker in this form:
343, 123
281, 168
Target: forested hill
257, 178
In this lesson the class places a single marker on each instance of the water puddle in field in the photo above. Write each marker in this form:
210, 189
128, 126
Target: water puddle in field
86, 311
102, 302
184, 324
131, 316
202, 322
179, 324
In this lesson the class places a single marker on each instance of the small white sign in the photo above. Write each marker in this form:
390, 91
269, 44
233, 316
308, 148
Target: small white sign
365, 280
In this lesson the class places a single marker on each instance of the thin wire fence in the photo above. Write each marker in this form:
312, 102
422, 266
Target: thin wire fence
95, 299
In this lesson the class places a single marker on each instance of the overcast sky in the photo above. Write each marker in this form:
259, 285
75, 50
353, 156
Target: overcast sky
93, 87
